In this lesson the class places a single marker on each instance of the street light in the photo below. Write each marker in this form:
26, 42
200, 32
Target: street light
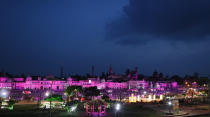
145, 92
170, 105
4, 93
47, 94
117, 108
73, 108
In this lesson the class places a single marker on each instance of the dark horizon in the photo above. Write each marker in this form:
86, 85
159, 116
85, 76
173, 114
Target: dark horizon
40, 36
66, 74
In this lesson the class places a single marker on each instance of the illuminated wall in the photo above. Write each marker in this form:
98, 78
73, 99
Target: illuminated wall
60, 85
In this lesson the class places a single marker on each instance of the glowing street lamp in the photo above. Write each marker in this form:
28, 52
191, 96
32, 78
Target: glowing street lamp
117, 107
3, 93
73, 108
169, 106
145, 92
169, 103
47, 94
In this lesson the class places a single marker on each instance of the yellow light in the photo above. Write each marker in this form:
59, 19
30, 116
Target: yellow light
132, 98
154, 97
161, 97
138, 98
150, 97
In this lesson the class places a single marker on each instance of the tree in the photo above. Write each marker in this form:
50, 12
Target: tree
88, 75
209, 93
178, 79
54, 98
202, 80
103, 75
10, 104
127, 72
91, 92
1, 101
72, 91
140, 77
106, 98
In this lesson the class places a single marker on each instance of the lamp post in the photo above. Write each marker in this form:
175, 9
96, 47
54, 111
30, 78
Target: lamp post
169, 106
117, 108
47, 94
3, 93
73, 108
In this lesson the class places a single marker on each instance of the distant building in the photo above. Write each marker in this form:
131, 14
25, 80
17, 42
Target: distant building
117, 86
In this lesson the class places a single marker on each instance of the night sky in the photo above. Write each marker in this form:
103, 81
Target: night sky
40, 36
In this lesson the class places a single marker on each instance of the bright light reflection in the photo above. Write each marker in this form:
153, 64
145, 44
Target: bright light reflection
47, 94
169, 103
4, 93
118, 107
73, 108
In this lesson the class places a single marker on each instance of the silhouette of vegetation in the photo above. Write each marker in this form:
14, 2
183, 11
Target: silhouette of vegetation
91, 92
54, 98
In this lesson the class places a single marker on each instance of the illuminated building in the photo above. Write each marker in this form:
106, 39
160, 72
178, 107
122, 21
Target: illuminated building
138, 90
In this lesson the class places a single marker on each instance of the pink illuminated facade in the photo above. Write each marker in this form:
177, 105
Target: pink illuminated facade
114, 89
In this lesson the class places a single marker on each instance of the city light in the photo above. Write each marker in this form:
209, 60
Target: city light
145, 92
117, 107
4, 93
73, 108
169, 103
47, 94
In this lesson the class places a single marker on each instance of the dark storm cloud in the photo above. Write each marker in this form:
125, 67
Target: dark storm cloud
146, 20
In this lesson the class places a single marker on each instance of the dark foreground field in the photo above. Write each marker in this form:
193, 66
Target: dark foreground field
128, 110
